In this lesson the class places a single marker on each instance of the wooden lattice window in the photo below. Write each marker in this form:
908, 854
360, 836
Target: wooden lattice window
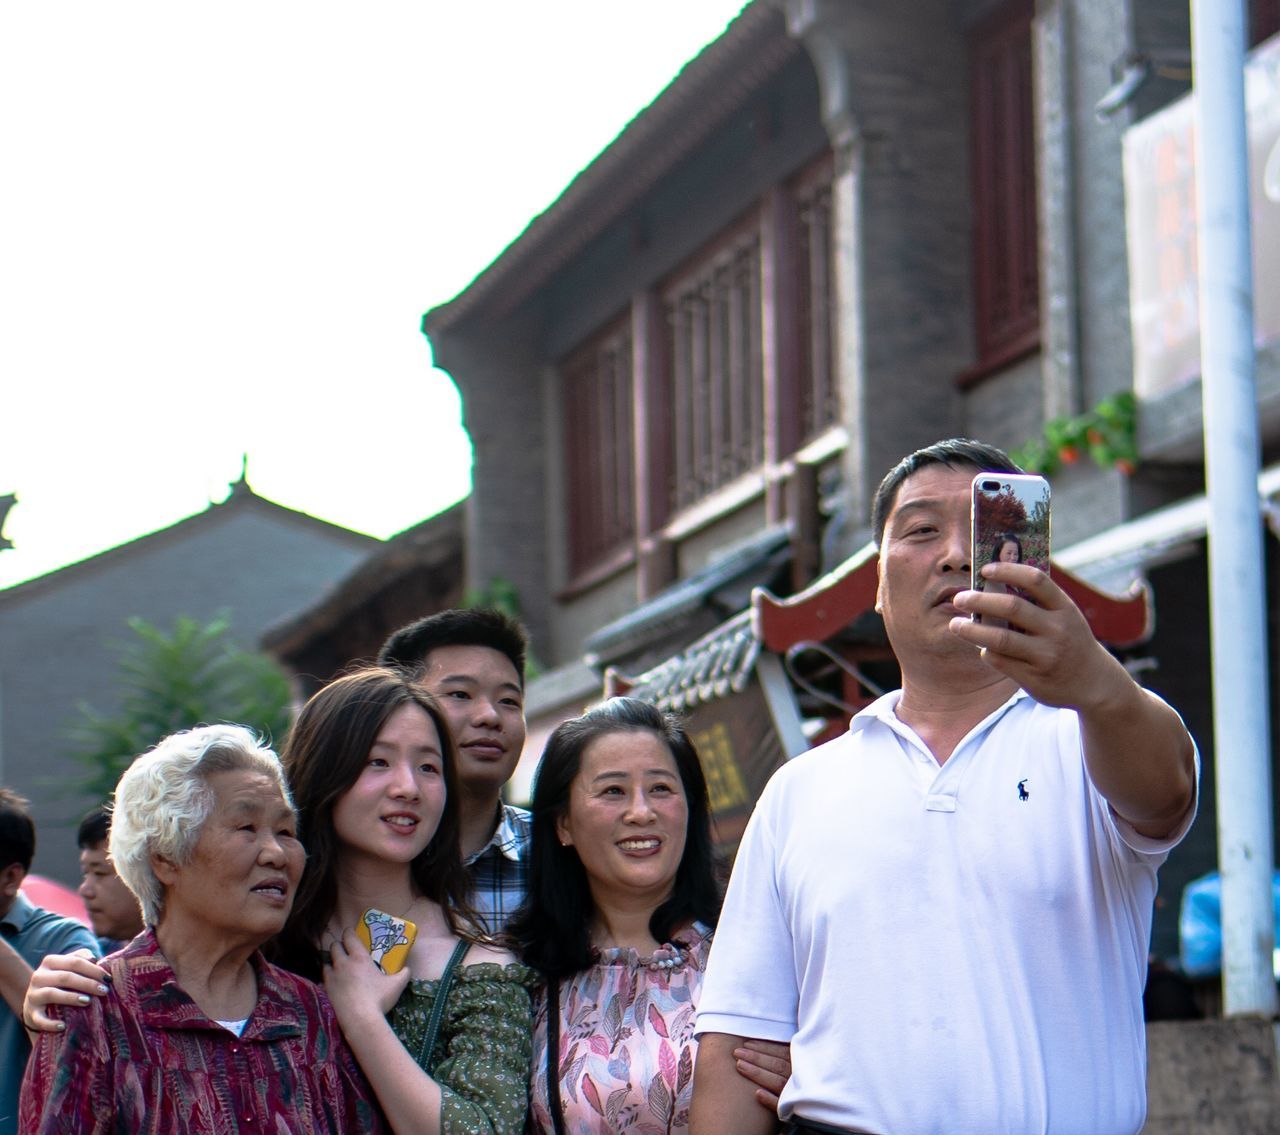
715, 369
818, 405
599, 448
1005, 243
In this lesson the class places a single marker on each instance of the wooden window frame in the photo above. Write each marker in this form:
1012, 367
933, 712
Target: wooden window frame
815, 391
714, 364
1006, 255
599, 452
747, 381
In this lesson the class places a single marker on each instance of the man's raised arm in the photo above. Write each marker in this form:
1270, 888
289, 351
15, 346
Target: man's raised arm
1138, 752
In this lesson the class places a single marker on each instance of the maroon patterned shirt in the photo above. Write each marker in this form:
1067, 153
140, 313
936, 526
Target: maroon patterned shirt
145, 1060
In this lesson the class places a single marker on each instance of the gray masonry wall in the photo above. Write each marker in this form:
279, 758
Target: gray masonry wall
1213, 1078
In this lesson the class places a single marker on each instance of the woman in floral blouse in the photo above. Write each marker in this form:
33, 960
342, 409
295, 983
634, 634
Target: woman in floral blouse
622, 902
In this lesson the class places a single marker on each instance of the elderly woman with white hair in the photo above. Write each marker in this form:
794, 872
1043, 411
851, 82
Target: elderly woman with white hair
200, 1033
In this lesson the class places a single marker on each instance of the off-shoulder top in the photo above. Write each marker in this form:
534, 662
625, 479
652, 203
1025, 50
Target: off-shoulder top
481, 1055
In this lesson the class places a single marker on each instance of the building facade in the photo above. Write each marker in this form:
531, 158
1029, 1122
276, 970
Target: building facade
845, 231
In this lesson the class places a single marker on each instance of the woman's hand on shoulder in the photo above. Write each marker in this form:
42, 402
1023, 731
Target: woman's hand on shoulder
356, 985
61, 979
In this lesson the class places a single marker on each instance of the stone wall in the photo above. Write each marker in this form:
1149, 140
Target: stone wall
1213, 1077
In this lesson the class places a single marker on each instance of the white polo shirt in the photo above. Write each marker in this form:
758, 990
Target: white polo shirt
948, 949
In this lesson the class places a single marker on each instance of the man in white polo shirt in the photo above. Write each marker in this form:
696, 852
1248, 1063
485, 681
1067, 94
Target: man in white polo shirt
947, 910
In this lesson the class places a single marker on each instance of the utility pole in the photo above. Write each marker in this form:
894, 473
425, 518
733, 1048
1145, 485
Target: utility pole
1237, 599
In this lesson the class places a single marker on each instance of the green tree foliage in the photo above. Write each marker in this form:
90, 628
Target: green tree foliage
191, 675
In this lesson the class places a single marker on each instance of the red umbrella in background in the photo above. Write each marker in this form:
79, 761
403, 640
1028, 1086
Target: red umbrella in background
55, 896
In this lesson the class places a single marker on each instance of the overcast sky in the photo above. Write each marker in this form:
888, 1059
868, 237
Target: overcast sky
220, 226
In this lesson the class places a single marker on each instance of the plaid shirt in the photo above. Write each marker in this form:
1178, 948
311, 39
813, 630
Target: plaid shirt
500, 870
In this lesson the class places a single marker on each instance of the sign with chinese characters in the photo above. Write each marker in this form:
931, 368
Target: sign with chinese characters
1160, 207
740, 749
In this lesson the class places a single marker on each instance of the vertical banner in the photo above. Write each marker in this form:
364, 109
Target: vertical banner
1160, 208
740, 750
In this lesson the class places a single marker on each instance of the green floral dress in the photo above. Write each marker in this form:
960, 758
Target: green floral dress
481, 1056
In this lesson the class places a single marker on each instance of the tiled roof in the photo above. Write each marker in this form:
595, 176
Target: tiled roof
716, 665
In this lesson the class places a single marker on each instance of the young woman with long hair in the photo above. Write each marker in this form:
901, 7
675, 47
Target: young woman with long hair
371, 764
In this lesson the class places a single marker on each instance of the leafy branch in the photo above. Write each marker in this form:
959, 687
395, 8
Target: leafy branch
192, 675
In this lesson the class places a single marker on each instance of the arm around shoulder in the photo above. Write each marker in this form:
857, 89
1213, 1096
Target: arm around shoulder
61, 979
15, 975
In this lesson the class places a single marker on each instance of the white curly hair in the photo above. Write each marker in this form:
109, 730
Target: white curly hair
164, 798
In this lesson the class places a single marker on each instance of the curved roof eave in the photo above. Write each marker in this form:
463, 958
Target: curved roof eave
708, 89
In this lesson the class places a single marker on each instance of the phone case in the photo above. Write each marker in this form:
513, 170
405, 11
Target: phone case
1010, 519
387, 937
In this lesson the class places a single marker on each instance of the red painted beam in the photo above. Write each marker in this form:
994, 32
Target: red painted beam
835, 600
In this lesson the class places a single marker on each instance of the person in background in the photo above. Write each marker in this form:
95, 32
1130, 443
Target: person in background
199, 1032
114, 913
27, 934
623, 901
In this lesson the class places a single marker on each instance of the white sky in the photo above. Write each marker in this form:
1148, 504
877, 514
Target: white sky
220, 226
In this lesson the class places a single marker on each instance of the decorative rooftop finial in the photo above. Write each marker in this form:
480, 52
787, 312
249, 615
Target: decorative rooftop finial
241, 484
6, 503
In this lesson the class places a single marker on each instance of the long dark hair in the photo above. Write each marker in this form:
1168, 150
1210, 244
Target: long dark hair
323, 757
553, 928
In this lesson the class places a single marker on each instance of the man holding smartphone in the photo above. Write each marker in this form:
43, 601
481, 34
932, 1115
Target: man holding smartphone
947, 910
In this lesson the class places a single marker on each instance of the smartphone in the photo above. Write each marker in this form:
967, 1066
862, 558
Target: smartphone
1010, 521
387, 937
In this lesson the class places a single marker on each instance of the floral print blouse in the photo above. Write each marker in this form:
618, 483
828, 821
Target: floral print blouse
626, 1041
481, 1055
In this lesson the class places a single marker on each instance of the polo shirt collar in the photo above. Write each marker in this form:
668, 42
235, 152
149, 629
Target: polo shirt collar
884, 710
19, 914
